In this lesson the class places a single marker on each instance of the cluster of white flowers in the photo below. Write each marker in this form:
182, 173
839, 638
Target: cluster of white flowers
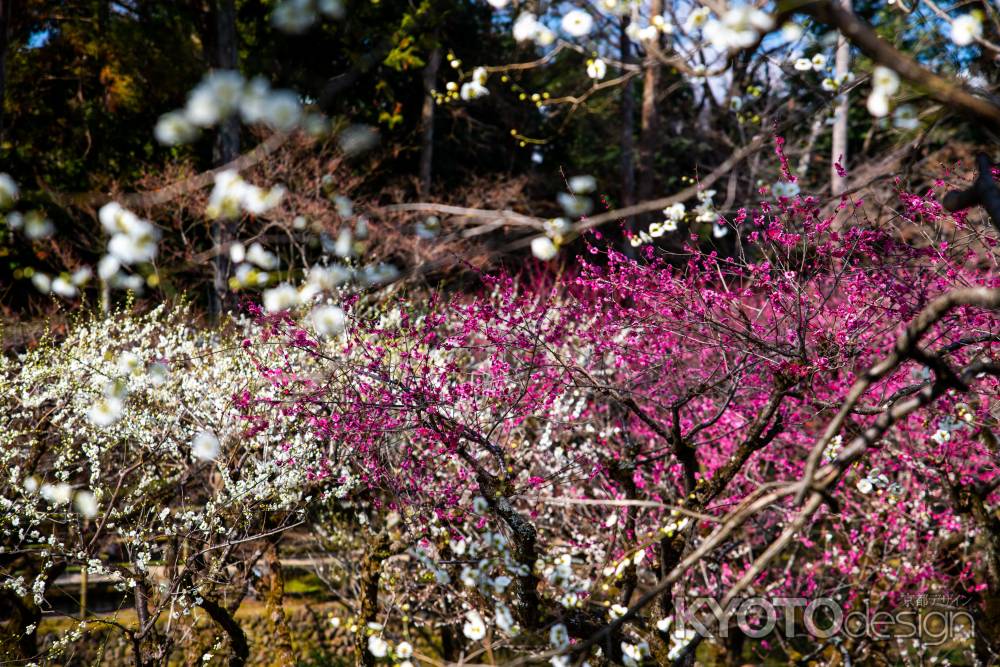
657, 25
832, 448
475, 88
875, 479
569, 589
740, 28
672, 216
297, 16
597, 69
527, 28
34, 224
634, 655
885, 84
967, 28
105, 395
815, 64
133, 240
785, 189
225, 93
9, 192
576, 203
232, 196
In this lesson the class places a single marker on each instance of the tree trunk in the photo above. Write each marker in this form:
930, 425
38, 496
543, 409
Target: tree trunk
627, 138
6, 12
371, 572
275, 606
226, 149
427, 123
838, 183
649, 128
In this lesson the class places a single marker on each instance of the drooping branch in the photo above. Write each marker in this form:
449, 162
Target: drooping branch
863, 35
818, 482
983, 192
237, 638
906, 347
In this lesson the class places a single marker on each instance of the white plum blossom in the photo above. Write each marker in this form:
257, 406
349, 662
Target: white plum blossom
8, 191
174, 128
885, 80
616, 611
577, 23
85, 503
108, 267
739, 28
282, 110
597, 69
232, 195
505, 619
543, 248
885, 83
559, 637
237, 252
37, 226
64, 288
803, 64
205, 446
647, 34
472, 90
282, 297
905, 118
574, 205
697, 19
634, 654
221, 94
357, 139
255, 100
791, 32
784, 189
265, 259
377, 646
82, 276
106, 411
966, 29
57, 494
878, 103
526, 27
129, 249
544, 36
328, 321
226, 87
404, 650
675, 212
475, 627
679, 640
133, 239
202, 109
293, 16
581, 185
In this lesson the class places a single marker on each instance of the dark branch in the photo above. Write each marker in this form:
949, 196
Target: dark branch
984, 192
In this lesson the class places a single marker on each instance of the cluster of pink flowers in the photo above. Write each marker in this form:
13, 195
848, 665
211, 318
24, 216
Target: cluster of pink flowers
601, 405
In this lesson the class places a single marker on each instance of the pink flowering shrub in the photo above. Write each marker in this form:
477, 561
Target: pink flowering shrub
549, 450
